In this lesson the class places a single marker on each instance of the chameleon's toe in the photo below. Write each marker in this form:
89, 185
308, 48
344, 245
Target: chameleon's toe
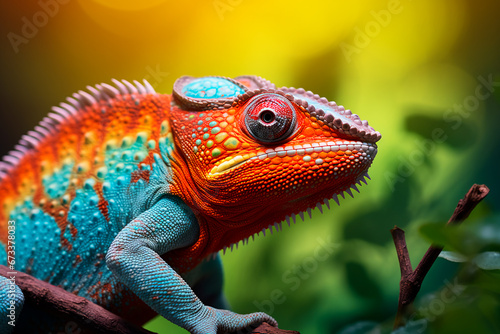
229, 321
223, 321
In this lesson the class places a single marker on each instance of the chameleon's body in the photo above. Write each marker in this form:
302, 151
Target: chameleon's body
116, 193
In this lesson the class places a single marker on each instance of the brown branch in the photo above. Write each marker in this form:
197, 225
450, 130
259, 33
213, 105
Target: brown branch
411, 280
88, 317
265, 328
398, 235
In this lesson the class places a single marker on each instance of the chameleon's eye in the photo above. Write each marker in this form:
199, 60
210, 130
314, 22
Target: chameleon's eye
270, 118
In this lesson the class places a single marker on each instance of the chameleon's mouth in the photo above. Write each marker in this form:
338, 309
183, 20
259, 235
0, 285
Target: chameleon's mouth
232, 163
347, 147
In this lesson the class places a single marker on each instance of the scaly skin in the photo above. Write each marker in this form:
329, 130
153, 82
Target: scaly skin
119, 195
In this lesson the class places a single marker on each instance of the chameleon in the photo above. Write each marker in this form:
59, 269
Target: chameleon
127, 197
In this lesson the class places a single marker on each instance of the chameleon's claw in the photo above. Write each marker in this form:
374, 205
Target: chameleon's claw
222, 321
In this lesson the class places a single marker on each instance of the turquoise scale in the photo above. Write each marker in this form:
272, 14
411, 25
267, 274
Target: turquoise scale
32, 227
211, 88
56, 184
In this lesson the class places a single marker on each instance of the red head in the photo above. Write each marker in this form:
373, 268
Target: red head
250, 156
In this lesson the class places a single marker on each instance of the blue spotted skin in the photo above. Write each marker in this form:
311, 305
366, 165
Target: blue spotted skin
10, 311
113, 256
211, 88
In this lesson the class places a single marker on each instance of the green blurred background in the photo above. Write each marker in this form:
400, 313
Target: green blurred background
424, 73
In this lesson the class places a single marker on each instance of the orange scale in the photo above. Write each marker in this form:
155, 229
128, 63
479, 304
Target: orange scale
276, 161
331, 154
318, 132
309, 132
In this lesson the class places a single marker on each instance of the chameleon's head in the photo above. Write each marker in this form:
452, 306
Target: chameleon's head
258, 155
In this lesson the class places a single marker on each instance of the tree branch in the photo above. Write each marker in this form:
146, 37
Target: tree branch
87, 316
265, 328
398, 235
411, 281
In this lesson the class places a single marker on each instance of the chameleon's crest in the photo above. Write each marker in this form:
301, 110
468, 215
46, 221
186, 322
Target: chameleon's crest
78, 101
336, 117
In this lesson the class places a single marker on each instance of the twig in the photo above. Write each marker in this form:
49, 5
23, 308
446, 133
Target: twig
411, 280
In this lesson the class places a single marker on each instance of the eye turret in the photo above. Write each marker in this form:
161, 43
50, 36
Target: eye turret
269, 118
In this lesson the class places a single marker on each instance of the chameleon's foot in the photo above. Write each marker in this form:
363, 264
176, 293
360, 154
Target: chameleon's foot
212, 320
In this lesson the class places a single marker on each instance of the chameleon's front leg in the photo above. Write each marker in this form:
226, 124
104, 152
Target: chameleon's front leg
134, 257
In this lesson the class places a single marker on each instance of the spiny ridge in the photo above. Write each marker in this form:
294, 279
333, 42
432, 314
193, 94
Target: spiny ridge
76, 102
292, 217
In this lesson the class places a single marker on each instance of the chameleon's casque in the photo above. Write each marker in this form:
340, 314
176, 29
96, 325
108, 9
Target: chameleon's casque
121, 189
